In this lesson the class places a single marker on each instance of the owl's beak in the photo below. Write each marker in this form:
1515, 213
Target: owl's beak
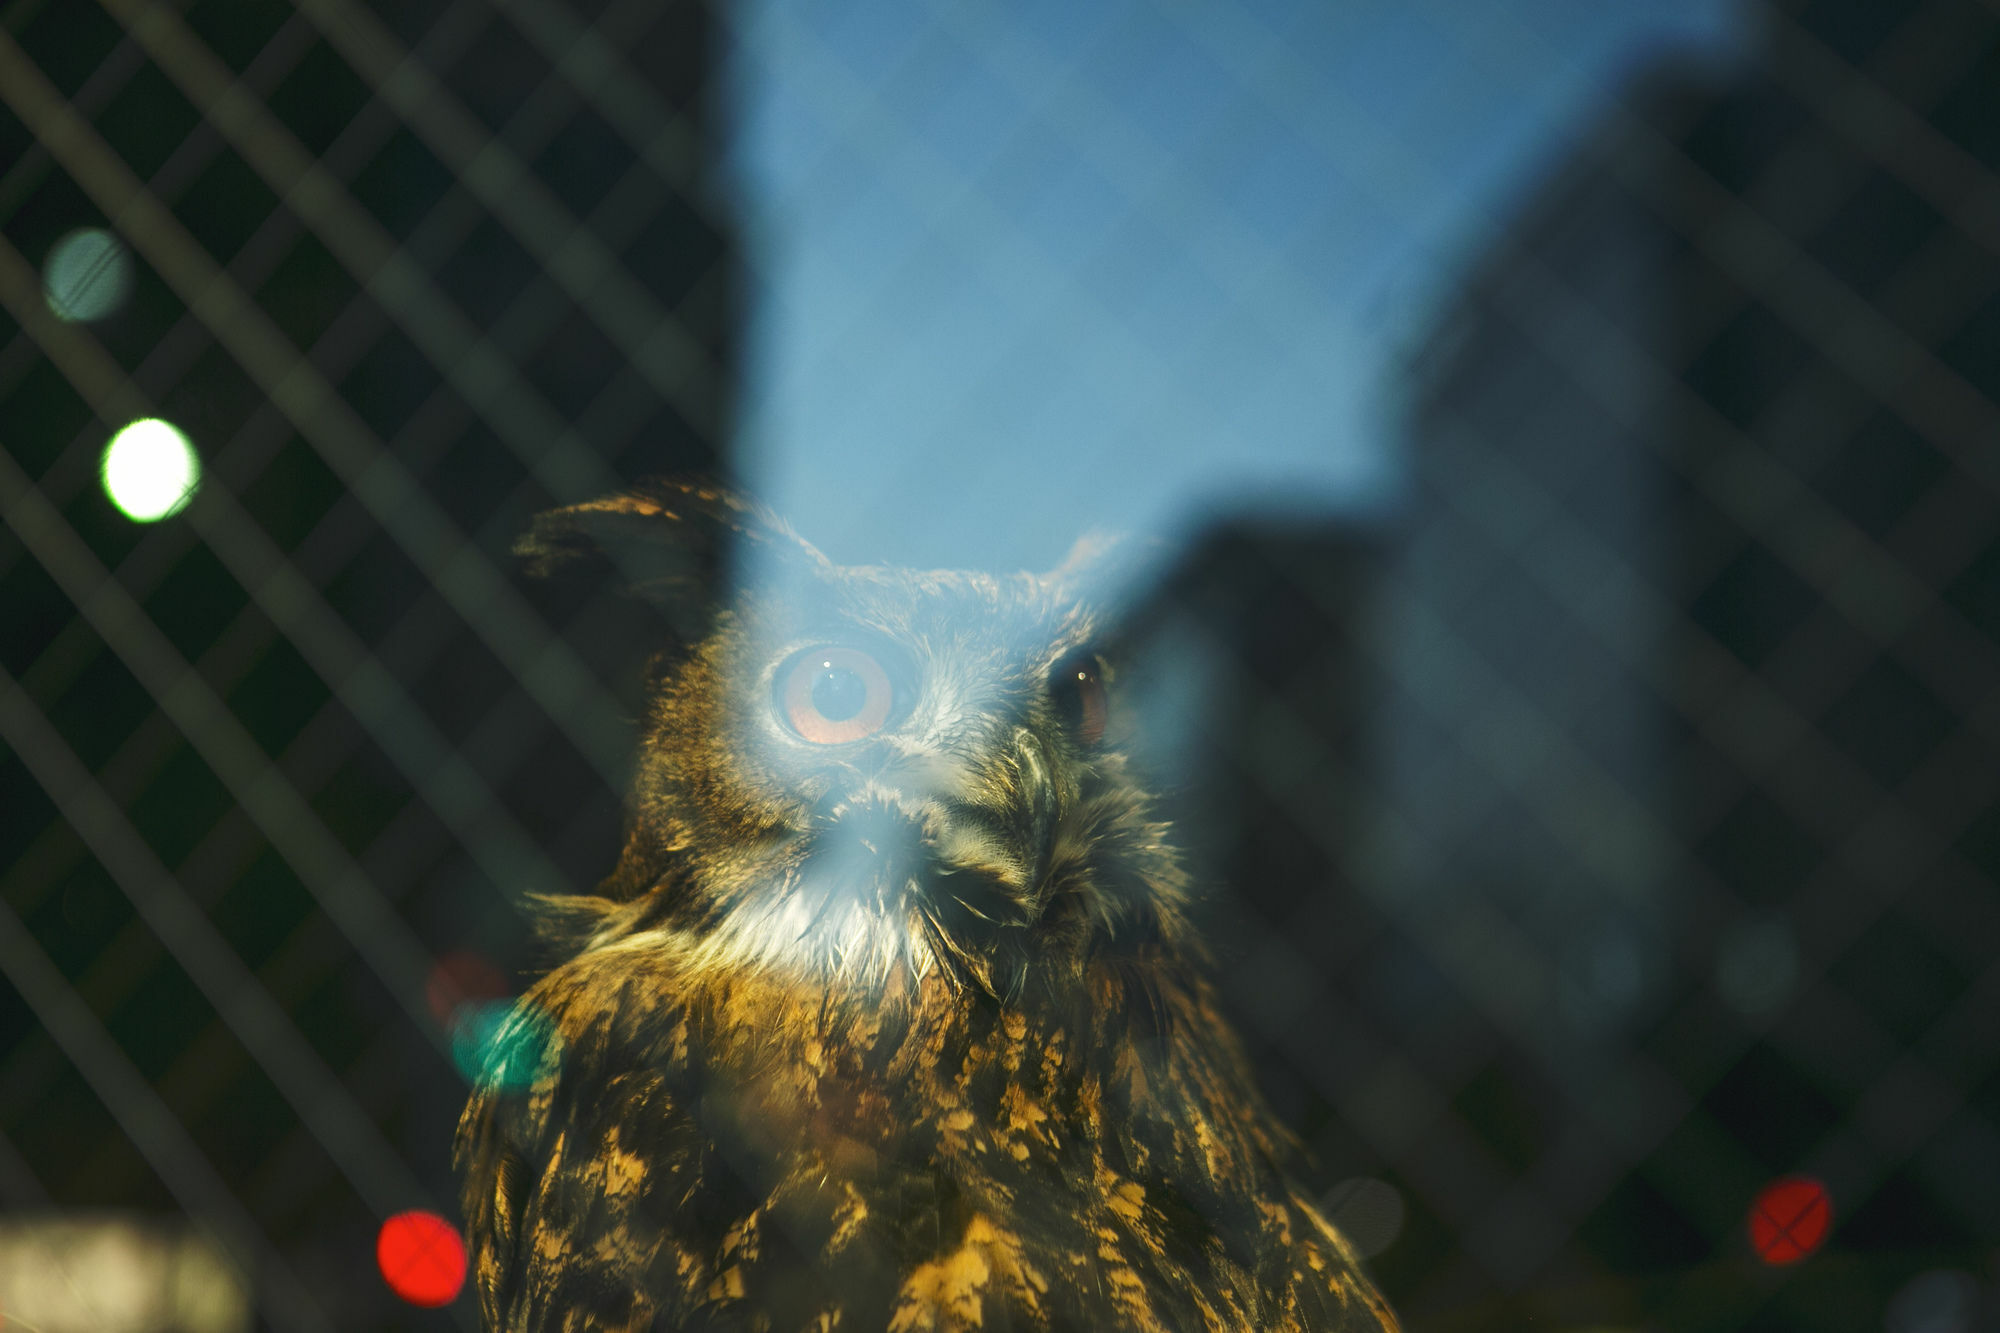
926, 824
953, 856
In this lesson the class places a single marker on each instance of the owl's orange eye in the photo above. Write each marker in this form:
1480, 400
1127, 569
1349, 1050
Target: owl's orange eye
1077, 685
833, 695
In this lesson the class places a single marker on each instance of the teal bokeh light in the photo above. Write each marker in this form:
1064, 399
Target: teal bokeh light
499, 1044
87, 276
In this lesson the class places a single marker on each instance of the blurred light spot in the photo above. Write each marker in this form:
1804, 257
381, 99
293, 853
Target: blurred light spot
421, 1258
1603, 979
150, 470
1615, 969
87, 275
1789, 1218
74, 1274
457, 979
498, 1044
1940, 1301
1757, 965
1369, 1213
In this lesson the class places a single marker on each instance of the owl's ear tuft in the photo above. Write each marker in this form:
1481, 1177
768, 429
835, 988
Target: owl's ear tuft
671, 542
1109, 564
1091, 549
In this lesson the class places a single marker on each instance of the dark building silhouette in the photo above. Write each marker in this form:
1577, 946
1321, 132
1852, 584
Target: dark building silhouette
397, 317
1690, 748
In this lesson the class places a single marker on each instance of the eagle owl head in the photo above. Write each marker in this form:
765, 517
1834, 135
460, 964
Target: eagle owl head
869, 775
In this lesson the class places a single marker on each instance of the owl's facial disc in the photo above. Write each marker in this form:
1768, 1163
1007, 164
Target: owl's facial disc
931, 777
918, 821
937, 771
927, 862
940, 796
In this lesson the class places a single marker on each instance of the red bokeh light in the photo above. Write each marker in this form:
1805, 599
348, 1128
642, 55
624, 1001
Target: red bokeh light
1789, 1218
458, 979
421, 1258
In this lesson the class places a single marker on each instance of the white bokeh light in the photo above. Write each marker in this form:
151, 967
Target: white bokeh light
1942, 1300
87, 275
1757, 965
1369, 1213
150, 470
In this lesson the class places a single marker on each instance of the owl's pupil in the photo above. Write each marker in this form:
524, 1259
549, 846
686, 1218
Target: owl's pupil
839, 694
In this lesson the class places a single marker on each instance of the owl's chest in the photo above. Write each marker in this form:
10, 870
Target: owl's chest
917, 1184
1000, 1109
699, 1165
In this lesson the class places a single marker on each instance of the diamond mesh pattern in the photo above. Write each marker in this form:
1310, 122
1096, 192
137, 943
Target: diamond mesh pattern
1610, 831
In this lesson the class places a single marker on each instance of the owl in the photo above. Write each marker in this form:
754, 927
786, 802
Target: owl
891, 1015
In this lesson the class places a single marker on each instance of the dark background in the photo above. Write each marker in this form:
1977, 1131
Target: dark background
1608, 834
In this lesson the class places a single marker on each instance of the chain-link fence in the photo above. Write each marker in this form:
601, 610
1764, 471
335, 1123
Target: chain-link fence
1608, 833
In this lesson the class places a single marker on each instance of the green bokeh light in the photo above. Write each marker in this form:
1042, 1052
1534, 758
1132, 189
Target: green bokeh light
87, 275
150, 470
497, 1044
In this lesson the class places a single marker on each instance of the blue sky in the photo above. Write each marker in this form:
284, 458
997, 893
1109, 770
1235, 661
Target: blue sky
1021, 270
